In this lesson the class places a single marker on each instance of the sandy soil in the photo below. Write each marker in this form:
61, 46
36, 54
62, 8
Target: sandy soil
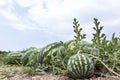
51, 77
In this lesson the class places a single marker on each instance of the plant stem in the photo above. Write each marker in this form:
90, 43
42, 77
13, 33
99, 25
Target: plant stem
109, 68
106, 66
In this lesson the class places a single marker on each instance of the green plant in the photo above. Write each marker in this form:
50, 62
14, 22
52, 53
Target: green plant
98, 37
108, 51
67, 49
77, 29
113, 53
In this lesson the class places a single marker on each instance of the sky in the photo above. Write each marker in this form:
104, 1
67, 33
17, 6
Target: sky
36, 23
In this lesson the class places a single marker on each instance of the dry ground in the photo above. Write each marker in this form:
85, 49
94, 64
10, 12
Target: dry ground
51, 77
19, 73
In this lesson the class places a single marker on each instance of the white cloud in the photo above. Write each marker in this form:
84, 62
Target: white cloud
4, 2
22, 27
8, 15
6, 10
27, 3
56, 16
112, 22
52, 19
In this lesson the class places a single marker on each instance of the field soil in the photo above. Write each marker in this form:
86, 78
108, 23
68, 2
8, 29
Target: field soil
51, 77
19, 73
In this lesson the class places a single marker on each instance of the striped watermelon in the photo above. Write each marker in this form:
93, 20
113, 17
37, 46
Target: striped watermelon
80, 66
90, 50
84, 46
47, 52
29, 56
72, 44
13, 58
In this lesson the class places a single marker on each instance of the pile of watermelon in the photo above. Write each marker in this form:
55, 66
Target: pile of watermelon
77, 65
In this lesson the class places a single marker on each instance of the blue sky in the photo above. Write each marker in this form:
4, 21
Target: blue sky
26, 23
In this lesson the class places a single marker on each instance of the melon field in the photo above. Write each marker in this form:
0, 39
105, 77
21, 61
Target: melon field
70, 60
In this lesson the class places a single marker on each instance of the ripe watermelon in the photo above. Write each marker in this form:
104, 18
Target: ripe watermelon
13, 58
47, 52
72, 44
29, 57
80, 66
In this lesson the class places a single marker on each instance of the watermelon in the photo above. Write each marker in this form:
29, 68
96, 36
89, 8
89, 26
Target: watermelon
80, 66
29, 56
72, 44
47, 52
13, 58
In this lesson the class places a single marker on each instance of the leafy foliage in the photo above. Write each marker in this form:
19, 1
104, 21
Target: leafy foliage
77, 29
108, 50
